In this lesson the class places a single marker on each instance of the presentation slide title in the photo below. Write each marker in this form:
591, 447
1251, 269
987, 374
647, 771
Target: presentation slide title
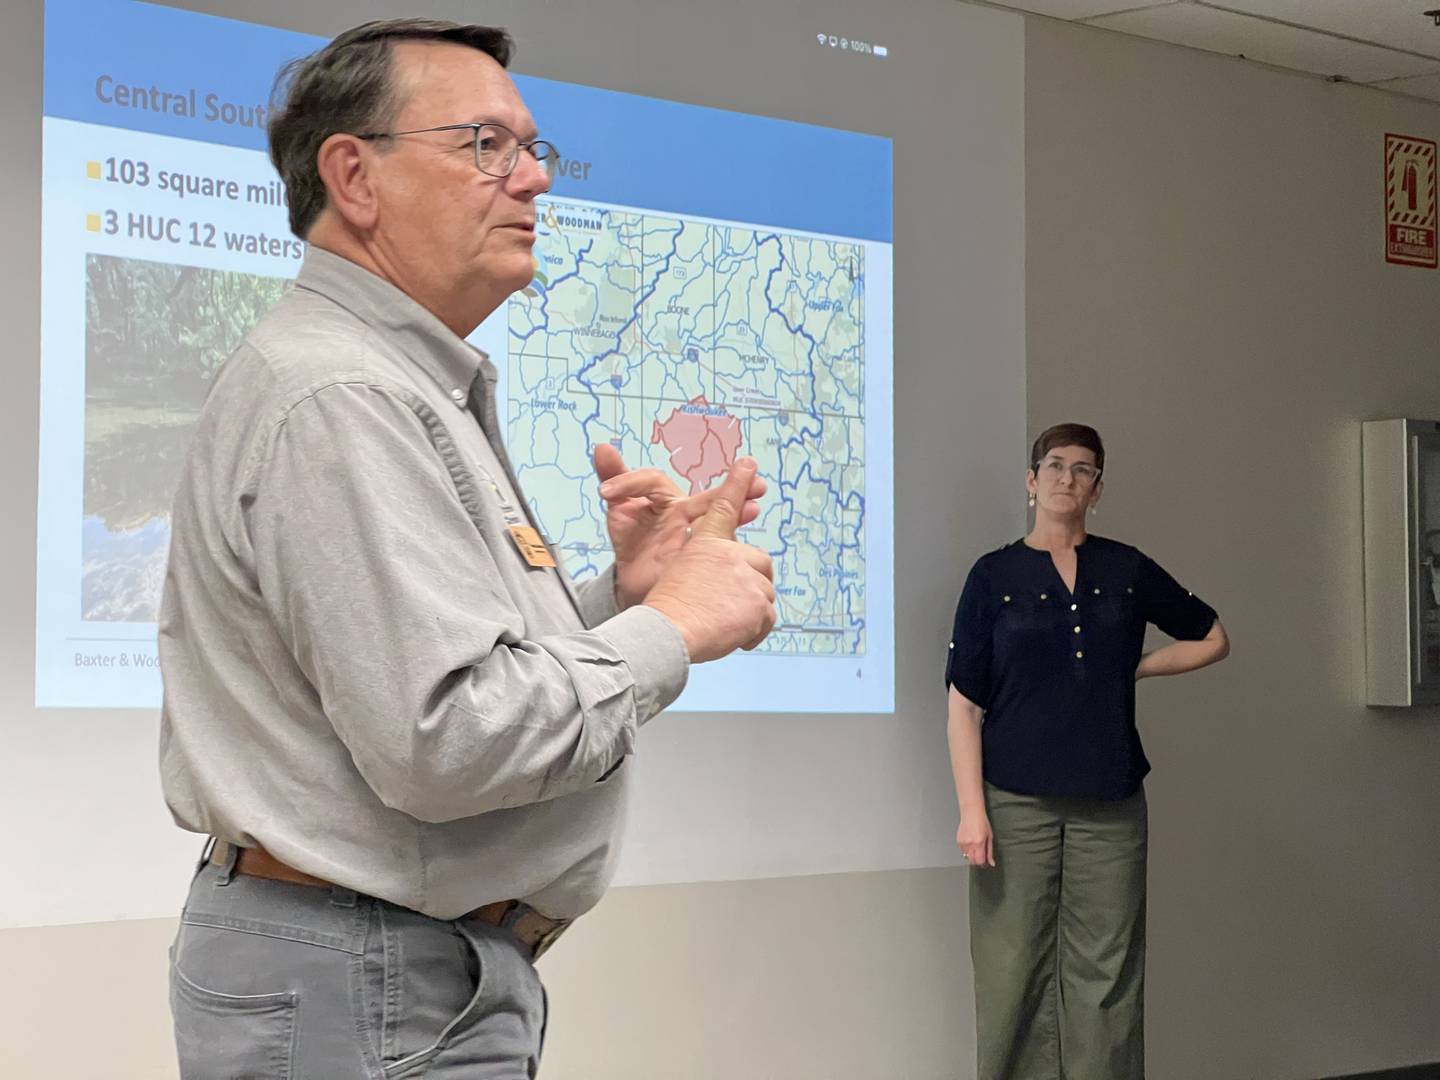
187, 103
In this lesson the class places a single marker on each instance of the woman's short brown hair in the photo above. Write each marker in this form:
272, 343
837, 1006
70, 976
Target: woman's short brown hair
1080, 435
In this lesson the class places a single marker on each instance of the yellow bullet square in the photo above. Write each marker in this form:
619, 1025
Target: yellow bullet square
92, 222
92, 170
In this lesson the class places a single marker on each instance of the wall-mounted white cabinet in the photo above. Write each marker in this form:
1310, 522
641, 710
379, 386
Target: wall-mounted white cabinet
1402, 561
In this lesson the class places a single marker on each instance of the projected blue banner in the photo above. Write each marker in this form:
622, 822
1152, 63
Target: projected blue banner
168, 72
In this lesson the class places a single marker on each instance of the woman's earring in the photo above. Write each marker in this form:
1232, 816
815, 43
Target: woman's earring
1092, 510
1032, 502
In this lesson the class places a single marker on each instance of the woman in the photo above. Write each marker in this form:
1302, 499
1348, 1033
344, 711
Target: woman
1048, 767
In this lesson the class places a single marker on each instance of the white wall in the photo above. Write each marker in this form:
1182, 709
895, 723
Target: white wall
1206, 284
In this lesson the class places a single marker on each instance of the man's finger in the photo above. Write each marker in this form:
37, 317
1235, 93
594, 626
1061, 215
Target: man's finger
769, 625
696, 505
759, 561
649, 484
608, 462
722, 517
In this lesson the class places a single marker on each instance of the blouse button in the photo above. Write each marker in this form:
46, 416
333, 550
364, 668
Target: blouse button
1007, 599
458, 396
1079, 656
952, 644
1097, 592
1129, 590
1074, 607
1077, 629
1044, 596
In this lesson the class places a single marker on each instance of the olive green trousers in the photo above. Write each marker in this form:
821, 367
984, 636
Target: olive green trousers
1057, 937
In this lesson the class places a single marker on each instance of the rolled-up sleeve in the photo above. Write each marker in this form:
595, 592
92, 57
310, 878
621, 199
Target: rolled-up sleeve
968, 666
396, 613
1169, 606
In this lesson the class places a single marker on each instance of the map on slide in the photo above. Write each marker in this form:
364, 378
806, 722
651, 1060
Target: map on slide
687, 343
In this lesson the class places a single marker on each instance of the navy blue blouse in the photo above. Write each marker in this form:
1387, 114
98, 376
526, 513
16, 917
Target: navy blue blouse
1055, 671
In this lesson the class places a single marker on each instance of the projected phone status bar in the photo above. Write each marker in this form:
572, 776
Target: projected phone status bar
853, 45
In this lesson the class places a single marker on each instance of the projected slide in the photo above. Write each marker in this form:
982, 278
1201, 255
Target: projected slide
708, 284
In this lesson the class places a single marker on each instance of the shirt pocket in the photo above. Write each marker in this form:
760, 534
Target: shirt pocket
1113, 606
1029, 615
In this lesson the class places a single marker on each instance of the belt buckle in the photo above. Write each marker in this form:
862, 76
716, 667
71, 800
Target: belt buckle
548, 938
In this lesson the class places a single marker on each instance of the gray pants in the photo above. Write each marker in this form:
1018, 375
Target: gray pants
293, 982
1057, 936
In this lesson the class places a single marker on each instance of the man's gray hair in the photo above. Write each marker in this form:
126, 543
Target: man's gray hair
348, 86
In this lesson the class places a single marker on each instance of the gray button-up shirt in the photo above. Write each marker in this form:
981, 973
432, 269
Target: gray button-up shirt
362, 673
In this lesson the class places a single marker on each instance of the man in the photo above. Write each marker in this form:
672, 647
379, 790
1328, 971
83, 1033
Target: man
407, 732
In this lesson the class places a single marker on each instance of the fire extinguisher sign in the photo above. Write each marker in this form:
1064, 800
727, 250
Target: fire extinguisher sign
1410, 201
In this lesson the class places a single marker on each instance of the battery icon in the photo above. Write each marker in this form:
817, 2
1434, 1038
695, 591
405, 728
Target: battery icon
881, 50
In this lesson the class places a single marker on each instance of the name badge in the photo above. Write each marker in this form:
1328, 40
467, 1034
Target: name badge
526, 538
531, 546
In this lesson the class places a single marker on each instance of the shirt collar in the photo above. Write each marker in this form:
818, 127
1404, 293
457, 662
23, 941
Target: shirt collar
452, 362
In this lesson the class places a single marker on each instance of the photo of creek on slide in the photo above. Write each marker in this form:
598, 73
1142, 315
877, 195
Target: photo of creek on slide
155, 335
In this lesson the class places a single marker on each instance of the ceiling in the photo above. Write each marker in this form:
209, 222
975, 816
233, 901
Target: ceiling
1389, 44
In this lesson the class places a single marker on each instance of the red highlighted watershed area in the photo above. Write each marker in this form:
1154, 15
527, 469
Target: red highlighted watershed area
703, 441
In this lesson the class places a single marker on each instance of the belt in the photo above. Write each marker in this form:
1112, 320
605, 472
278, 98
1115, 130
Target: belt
535, 931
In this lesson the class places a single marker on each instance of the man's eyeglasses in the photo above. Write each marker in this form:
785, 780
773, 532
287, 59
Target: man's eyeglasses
1053, 469
497, 148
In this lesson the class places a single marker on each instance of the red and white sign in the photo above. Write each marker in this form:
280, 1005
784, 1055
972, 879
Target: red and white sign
1410, 201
